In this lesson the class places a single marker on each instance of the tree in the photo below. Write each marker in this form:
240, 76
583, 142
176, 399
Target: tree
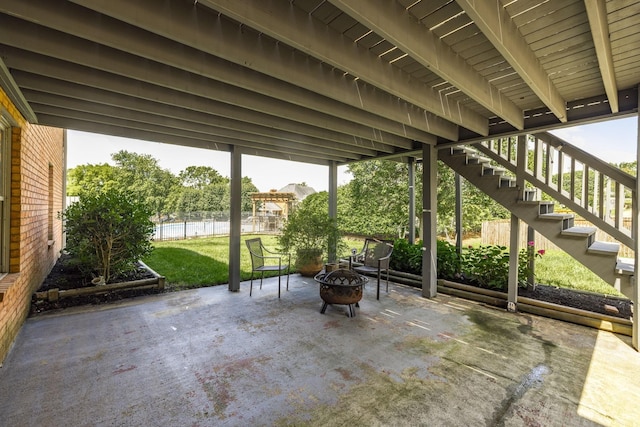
247, 187
199, 177
379, 198
107, 232
141, 175
90, 178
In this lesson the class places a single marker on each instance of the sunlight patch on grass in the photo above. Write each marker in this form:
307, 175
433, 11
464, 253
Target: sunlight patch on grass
195, 263
556, 268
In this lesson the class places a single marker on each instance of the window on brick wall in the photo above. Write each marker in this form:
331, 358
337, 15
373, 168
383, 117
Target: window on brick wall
5, 196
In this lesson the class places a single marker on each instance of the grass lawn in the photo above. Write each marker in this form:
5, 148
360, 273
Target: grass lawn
556, 268
202, 262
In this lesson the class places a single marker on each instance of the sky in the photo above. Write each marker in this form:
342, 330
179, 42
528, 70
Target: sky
266, 174
613, 141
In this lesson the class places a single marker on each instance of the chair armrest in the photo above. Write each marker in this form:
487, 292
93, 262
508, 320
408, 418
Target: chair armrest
384, 262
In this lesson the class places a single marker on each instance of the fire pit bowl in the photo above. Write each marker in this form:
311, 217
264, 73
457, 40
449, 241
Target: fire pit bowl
342, 286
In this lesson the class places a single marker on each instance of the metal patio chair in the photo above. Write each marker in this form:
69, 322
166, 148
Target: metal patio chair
374, 258
263, 260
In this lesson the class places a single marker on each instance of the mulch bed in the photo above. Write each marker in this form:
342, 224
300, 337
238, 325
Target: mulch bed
595, 303
66, 275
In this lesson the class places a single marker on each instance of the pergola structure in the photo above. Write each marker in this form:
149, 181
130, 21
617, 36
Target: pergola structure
283, 200
327, 82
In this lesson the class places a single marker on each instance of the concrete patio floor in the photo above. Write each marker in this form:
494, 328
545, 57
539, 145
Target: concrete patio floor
210, 357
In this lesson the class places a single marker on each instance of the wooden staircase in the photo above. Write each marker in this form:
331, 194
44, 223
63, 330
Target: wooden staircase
506, 173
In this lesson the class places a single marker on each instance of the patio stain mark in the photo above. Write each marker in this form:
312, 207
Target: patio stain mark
218, 385
332, 324
378, 400
123, 370
533, 379
346, 374
94, 358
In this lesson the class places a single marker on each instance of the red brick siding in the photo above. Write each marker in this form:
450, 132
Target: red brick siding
34, 149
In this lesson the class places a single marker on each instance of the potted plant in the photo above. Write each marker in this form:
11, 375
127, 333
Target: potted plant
309, 233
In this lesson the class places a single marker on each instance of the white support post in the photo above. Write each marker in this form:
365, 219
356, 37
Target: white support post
514, 249
458, 213
429, 211
412, 199
636, 240
333, 204
235, 219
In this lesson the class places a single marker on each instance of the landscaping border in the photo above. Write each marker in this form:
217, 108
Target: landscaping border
528, 305
157, 282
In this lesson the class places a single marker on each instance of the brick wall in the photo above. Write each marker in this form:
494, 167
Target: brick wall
37, 167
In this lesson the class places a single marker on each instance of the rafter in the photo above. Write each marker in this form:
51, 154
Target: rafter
597, 13
162, 82
83, 23
312, 37
231, 42
391, 21
150, 112
494, 22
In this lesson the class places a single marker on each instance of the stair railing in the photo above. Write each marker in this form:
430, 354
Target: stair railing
586, 185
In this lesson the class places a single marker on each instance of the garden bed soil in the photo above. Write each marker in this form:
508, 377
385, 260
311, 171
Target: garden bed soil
596, 303
65, 275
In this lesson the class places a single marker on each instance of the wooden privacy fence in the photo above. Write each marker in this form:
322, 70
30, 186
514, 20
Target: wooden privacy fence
497, 233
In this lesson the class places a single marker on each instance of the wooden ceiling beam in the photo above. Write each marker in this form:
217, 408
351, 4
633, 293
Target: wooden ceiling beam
597, 14
241, 46
392, 21
496, 24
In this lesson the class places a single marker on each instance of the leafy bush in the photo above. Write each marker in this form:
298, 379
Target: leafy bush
406, 257
486, 266
489, 265
448, 261
107, 232
309, 232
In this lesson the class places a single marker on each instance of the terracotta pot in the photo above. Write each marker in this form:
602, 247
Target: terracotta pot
308, 263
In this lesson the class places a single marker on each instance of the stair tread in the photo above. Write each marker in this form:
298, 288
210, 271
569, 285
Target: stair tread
604, 247
625, 266
556, 216
579, 231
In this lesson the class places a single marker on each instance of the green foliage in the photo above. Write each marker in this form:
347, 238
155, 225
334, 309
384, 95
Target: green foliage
90, 179
199, 177
309, 231
476, 207
406, 257
141, 176
377, 198
107, 232
449, 262
487, 265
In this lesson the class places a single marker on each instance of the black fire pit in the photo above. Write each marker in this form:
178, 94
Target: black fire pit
342, 286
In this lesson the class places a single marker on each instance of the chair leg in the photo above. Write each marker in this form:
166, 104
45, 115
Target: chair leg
387, 281
279, 285
261, 277
378, 289
251, 285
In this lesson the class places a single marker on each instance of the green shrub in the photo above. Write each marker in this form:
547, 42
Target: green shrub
406, 257
487, 265
448, 261
108, 233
